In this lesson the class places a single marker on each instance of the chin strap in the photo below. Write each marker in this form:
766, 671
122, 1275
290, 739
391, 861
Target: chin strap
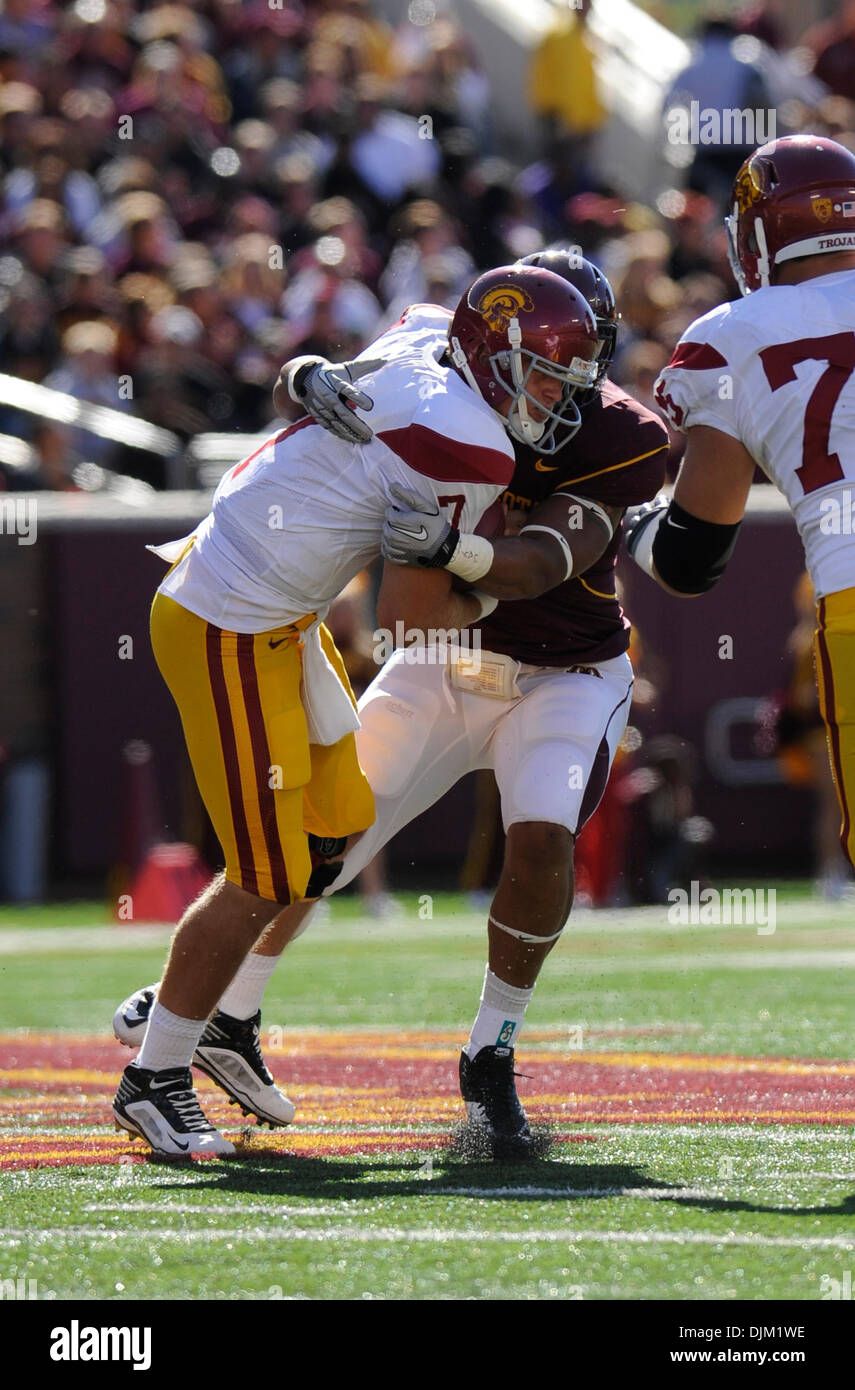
517, 422
531, 430
460, 361
764, 265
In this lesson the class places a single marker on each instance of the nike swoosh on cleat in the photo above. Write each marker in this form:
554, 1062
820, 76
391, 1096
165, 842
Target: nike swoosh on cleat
541, 467
134, 1020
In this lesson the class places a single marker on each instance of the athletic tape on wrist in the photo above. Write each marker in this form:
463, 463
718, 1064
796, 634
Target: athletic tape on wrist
472, 558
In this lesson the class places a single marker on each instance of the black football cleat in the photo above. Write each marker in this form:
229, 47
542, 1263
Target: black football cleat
162, 1108
229, 1051
492, 1104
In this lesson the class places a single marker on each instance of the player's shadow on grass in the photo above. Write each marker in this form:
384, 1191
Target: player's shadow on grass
845, 1207
292, 1176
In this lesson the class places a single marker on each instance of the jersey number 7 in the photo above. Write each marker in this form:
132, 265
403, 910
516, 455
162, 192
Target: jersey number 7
455, 501
818, 467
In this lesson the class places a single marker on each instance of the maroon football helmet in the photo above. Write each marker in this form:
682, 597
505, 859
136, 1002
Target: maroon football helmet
792, 197
593, 285
517, 320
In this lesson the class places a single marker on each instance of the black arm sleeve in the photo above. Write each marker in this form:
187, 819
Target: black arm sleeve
690, 555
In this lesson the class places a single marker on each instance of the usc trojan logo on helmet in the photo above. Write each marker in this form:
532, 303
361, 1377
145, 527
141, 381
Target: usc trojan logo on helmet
822, 208
501, 304
746, 188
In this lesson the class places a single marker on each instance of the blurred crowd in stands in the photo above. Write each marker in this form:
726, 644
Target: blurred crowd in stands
193, 192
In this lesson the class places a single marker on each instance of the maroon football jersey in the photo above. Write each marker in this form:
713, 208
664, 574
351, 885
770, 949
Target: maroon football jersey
618, 456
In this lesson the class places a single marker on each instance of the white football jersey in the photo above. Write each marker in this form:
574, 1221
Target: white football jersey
294, 522
775, 371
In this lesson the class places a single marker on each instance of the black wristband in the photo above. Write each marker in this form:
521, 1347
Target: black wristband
298, 380
441, 557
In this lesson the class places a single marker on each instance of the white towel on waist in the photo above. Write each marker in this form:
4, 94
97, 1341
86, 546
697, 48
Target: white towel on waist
329, 708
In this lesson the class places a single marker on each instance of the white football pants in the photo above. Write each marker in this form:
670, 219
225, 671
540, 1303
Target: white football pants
550, 748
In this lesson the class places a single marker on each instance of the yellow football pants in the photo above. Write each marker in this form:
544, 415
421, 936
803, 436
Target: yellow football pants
834, 646
264, 785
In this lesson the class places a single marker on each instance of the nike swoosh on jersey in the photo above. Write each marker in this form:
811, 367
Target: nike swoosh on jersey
676, 524
541, 467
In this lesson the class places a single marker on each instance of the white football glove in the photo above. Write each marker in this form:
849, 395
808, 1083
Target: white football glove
327, 392
642, 526
415, 532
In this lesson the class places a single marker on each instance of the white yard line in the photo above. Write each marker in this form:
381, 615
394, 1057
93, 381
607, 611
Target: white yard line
398, 1235
642, 1194
430, 1190
407, 925
649, 1194
76, 940
58, 940
188, 1209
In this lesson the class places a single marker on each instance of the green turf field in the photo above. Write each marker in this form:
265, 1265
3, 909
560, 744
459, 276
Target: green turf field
699, 1081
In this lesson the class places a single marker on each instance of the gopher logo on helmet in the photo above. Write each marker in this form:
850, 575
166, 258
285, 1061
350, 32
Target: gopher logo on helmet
498, 306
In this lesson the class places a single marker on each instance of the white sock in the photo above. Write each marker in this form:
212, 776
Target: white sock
499, 1020
170, 1040
243, 997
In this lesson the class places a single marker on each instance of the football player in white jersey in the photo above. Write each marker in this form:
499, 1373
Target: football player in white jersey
544, 705
768, 381
237, 632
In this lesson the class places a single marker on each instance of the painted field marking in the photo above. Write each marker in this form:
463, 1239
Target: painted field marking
655, 1194
648, 1194
189, 1209
388, 1235
54, 1081
447, 924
